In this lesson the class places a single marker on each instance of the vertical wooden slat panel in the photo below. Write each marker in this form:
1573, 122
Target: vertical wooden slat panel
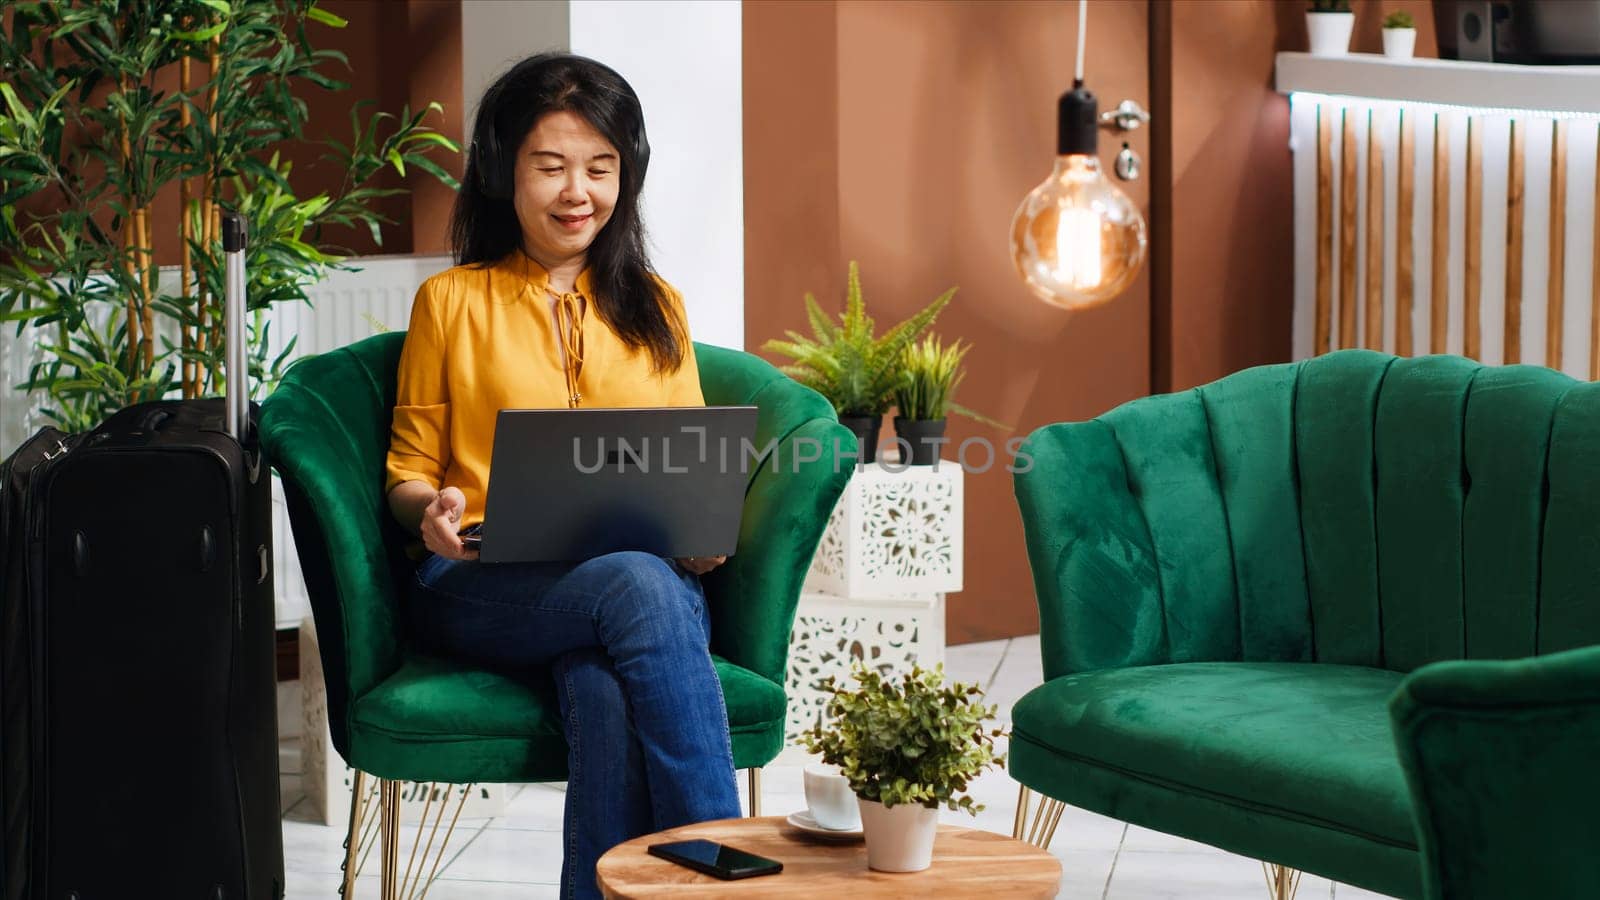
1473, 286
1594, 283
1556, 303
1347, 231
1514, 246
1324, 320
1404, 252
1374, 293
1440, 299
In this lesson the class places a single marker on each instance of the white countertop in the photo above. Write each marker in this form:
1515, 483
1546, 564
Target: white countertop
1446, 82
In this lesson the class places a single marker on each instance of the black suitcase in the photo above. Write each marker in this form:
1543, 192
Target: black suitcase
139, 740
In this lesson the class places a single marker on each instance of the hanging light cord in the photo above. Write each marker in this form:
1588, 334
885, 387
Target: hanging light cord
1083, 25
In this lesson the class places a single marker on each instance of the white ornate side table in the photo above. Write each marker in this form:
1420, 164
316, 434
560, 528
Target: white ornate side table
875, 590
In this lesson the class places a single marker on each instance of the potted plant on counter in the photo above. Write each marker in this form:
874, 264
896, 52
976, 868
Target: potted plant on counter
844, 362
907, 748
1399, 35
1328, 22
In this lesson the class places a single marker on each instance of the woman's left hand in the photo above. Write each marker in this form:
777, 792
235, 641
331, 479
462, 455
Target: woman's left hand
700, 565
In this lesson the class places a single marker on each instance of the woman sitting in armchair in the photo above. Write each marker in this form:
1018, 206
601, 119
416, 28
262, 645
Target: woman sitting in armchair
553, 303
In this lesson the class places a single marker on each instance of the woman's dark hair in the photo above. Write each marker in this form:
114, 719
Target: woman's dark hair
484, 227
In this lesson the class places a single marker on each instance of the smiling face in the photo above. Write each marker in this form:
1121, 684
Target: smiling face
567, 176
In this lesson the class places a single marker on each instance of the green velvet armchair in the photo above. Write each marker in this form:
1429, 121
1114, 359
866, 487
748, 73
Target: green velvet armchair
1503, 759
1274, 612
400, 715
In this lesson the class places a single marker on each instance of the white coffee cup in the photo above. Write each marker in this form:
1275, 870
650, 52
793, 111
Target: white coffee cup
828, 795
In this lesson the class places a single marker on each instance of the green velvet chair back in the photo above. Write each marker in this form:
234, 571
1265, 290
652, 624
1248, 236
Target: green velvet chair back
1354, 508
326, 430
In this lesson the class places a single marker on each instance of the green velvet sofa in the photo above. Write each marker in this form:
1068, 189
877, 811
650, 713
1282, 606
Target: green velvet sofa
1276, 610
406, 716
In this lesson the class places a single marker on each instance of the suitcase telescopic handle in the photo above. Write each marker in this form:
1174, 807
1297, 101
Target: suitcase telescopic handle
235, 370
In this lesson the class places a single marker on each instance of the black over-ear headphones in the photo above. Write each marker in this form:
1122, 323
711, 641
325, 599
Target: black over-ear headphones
489, 160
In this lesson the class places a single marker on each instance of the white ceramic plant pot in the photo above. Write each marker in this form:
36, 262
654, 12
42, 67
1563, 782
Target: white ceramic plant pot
1330, 32
899, 838
1399, 43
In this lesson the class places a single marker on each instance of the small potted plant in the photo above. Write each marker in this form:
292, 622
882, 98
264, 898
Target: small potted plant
845, 362
907, 748
923, 400
1399, 35
1329, 22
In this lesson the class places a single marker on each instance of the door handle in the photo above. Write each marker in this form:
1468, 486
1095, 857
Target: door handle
1128, 116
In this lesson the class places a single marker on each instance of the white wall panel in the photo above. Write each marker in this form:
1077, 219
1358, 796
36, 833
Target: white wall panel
684, 60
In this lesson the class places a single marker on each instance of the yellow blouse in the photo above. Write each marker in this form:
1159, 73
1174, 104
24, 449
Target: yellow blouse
483, 340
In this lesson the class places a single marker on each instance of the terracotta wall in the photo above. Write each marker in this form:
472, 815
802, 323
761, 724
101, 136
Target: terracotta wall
1224, 257
907, 145
791, 163
1224, 226
1224, 253
904, 134
432, 71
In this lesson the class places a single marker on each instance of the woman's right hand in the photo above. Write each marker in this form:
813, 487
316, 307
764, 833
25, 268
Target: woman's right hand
441, 524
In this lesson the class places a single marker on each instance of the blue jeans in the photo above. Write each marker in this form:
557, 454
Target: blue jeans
627, 635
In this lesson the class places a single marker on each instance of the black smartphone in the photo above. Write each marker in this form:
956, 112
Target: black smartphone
716, 859
472, 538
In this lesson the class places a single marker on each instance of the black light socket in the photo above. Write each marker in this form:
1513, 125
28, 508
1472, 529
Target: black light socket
1077, 122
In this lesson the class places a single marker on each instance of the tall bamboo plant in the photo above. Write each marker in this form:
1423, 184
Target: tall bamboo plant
91, 134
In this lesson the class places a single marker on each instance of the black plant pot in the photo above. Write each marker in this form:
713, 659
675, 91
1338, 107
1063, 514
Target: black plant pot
865, 429
923, 436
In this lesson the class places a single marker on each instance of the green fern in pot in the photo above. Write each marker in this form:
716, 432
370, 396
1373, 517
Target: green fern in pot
845, 362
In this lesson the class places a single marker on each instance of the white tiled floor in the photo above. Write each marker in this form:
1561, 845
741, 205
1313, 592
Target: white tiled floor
518, 854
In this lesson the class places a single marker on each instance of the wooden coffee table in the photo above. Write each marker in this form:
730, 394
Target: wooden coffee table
966, 863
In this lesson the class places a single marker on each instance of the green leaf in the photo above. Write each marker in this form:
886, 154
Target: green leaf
433, 138
23, 315
15, 106
324, 82
201, 36
318, 14
433, 168
958, 409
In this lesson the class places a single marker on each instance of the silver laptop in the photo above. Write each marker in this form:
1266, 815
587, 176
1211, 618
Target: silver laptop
571, 484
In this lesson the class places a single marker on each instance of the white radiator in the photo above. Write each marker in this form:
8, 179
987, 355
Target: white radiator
1436, 229
345, 307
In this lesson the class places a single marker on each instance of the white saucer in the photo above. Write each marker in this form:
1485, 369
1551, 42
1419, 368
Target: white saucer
803, 821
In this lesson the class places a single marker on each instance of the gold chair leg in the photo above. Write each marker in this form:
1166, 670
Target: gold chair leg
1282, 882
376, 823
352, 833
1022, 811
390, 837
755, 791
417, 889
1045, 819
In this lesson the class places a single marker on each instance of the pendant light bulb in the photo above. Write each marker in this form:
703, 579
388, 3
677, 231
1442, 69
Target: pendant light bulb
1076, 240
